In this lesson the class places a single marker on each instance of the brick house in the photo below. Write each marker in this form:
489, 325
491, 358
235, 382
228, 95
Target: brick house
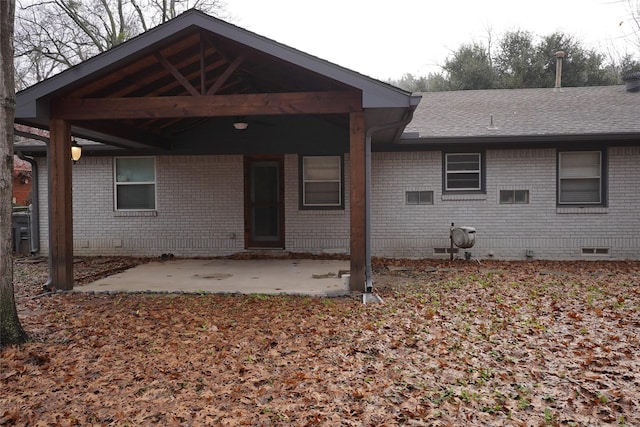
21, 182
540, 173
213, 140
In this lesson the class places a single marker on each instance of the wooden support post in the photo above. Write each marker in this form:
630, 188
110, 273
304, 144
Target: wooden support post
358, 206
60, 206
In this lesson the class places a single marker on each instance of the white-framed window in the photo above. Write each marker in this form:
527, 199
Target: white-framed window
135, 183
321, 183
463, 171
580, 178
514, 197
419, 197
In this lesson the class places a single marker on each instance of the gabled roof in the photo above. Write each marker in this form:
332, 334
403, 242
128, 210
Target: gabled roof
193, 55
571, 113
229, 41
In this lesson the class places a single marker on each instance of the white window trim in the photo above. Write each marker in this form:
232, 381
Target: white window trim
305, 180
478, 171
116, 184
599, 177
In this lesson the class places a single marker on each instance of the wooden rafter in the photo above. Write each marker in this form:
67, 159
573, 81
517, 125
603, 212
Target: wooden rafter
177, 74
203, 72
158, 88
125, 131
226, 74
330, 102
208, 38
130, 72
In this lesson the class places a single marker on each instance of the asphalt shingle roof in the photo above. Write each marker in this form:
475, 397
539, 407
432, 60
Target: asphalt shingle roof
527, 112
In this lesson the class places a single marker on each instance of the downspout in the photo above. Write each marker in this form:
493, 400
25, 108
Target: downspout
34, 233
35, 197
367, 165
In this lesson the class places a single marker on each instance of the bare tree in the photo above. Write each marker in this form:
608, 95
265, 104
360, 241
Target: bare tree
52, 35
631, 23
622, 62
11, 331
634, 13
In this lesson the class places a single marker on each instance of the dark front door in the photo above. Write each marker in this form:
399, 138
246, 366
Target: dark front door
264, 202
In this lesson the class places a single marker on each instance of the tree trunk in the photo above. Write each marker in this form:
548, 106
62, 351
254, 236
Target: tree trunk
11, 331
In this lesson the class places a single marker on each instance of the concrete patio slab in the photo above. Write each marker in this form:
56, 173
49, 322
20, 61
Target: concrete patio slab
259, 276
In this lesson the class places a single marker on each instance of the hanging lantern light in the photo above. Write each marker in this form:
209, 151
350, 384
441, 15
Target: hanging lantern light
76, 151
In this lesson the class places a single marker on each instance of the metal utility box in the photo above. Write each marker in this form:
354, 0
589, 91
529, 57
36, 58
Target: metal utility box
21, 231
463, 237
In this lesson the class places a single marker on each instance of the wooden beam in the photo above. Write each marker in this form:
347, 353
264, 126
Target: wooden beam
203, 68
176, 73
207, 37
124, 131
150, 80
329, 102
154, 84
145, 66
357, 161
225, 76
60, 205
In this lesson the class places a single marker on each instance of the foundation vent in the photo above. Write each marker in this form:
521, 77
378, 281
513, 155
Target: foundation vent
595, 251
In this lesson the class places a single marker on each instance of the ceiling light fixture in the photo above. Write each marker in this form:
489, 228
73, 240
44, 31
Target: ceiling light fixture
240, 124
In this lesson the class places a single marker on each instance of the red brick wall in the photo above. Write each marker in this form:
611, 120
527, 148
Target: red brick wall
21, 190
21, 181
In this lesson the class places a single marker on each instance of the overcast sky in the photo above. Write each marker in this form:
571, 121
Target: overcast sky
385, 39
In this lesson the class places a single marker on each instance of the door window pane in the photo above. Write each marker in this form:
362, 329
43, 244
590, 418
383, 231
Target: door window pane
265, 182
265, 201
265, 223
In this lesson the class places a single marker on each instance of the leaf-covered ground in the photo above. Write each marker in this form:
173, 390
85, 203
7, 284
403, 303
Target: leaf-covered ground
497, 343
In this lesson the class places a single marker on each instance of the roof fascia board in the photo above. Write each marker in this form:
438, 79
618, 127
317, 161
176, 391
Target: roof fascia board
515, 139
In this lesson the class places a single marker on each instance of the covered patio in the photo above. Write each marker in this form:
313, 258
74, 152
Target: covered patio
180, 89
